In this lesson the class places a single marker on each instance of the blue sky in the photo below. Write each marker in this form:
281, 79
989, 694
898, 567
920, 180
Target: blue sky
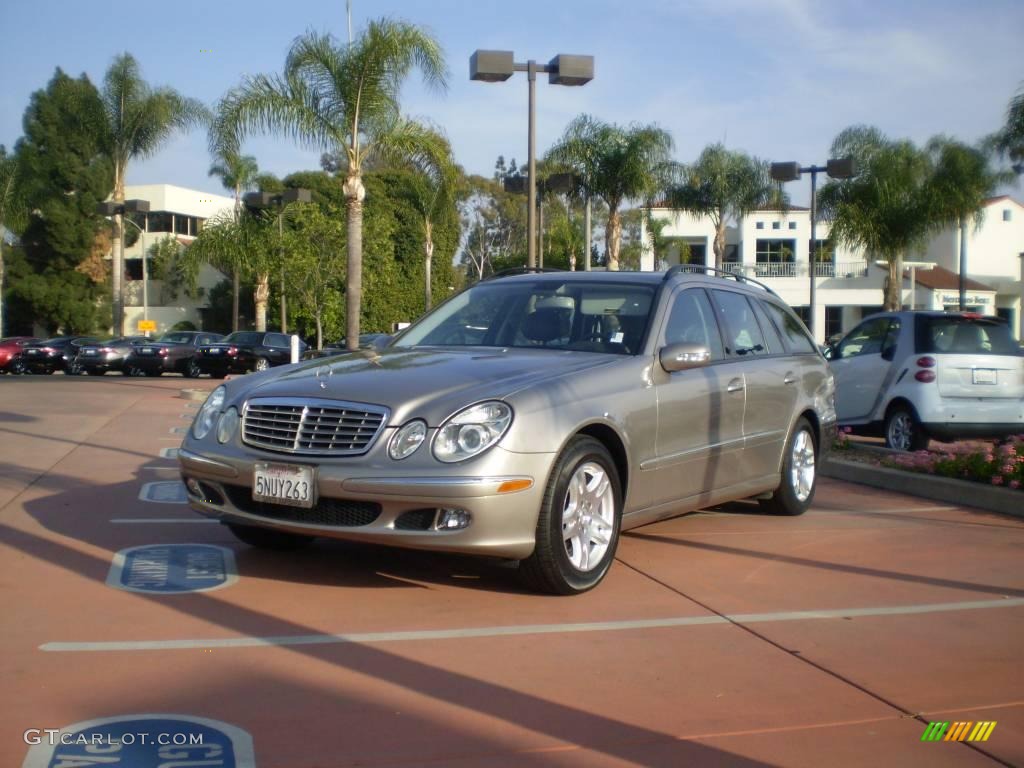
777, 78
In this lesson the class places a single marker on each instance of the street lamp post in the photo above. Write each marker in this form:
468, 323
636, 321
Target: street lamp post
110, 208
790, 171
145, 270
564, 69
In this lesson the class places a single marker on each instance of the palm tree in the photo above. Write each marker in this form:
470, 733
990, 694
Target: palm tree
344, 99
238, 173
887, 210
139, 120
724, 185
616, 164
1009, 141
435, 195
962, 181
248, 243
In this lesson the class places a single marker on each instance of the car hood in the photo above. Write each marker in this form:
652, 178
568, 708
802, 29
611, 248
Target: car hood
429, 383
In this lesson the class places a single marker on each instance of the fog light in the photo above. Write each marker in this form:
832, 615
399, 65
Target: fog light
453, 519
193, 487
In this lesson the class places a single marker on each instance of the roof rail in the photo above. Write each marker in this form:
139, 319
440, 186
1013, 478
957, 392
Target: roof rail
521, 271
702, 269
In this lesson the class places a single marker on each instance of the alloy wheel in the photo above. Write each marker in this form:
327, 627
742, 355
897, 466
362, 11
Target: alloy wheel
802, 466
588, 516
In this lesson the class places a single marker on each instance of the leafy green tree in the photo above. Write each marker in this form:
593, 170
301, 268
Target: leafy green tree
12, 213
136, 121
314, 266
238, 173
888, 208
616, 164
962, 180
63, 175
344, 99
724, 185
494, 223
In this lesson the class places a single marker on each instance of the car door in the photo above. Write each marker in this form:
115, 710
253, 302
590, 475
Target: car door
277, 348
770, 379
862, 366
700, 410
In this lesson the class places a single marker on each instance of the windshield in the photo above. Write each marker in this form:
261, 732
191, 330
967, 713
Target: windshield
177, 338
963, 335
571, 315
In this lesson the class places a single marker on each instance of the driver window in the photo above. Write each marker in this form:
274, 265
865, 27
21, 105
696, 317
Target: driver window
691, 321
867, 339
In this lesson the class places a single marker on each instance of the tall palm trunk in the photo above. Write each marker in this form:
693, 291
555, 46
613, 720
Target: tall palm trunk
613, 237
718, 246
262, 296
235, 280
894, 285
428, 250
962, 267
354, 194
117, 256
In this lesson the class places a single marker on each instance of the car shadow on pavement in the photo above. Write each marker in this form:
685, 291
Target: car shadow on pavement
347, 667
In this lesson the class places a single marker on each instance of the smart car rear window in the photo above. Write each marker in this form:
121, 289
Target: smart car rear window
962, 335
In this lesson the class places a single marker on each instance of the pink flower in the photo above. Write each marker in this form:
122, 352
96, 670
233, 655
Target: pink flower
1015, 484
997, 480
1007, 469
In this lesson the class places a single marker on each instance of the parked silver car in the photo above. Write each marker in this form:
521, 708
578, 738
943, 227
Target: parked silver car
530, 417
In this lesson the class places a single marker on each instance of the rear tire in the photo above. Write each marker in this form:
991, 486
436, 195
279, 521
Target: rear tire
903, 432
191, 370
267, 538
799, 473
261, 364
578, 526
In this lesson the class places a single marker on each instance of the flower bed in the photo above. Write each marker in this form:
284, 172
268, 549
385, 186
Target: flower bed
1001, 465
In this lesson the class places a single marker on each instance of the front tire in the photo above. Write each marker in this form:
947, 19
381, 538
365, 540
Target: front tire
799, 473
192, 369
267, 538
262, 364
578, 526
903, 432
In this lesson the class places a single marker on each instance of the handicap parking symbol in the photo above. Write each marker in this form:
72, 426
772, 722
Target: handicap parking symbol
170, 569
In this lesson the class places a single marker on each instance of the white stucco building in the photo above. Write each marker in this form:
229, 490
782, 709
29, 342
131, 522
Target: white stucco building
773, 246
175, 212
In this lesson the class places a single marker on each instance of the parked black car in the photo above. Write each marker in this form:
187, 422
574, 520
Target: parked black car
56, 354
97, 359
366, 341
173, 352
245, 351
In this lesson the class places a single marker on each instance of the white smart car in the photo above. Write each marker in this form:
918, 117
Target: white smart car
912, 376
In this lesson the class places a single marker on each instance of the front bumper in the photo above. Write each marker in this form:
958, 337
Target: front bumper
365, 499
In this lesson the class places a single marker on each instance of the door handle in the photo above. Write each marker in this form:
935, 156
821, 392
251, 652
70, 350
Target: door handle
736, 385
790, 378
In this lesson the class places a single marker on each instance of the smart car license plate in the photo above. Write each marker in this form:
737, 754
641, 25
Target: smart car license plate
984, 375
288, 484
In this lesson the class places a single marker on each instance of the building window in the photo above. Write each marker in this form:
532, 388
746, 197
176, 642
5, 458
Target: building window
792, 225
159, 221
775, 258
180, 224
833, 321
760, 225
732, 254
133, 269
1007, 214
776, 225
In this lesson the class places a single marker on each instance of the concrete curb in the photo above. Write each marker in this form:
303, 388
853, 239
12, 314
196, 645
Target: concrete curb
959, 492
194, 394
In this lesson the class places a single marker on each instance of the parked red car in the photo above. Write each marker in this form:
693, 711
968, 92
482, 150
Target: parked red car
10, 348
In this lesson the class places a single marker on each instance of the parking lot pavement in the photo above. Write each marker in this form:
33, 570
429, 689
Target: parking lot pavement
724, 637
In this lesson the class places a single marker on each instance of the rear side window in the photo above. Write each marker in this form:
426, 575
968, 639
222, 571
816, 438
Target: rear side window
693, 322
796, 336
962, 335
277, 340
771, 334
743, 336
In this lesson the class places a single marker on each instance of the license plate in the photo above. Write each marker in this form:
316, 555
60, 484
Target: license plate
145, 351
288, 484
984, 375
213, 351
31, 352
90, 352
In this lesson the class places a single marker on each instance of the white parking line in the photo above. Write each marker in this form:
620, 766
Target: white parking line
368, 638
154, 520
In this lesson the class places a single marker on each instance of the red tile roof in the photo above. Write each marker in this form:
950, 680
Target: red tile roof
941, 279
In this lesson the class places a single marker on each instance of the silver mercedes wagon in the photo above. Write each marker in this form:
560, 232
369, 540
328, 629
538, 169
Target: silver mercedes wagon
532, 417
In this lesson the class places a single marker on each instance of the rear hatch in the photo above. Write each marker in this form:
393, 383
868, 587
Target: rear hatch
975, 356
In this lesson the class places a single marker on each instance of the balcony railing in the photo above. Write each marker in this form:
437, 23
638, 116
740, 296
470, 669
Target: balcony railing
842, 270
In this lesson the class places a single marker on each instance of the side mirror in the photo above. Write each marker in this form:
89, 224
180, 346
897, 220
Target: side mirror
829, 352
889, 353
681, 357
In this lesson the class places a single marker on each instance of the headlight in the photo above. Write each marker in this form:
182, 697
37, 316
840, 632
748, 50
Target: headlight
407, 439
208, 414
472, 431
227, 425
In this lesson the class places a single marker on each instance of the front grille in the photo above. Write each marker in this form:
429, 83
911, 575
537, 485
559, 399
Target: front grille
340, 513
311, 426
